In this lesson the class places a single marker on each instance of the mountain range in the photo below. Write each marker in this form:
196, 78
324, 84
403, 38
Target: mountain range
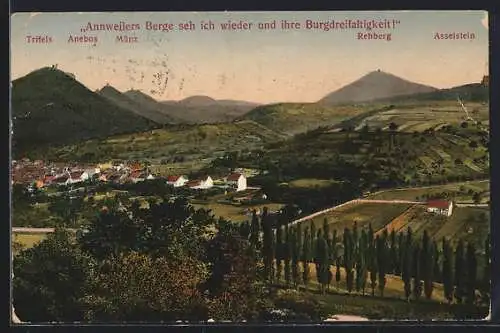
374, 86
50, 107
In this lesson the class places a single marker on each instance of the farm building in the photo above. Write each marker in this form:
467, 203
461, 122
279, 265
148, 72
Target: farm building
201, 184
237, 181
441, 207
177, 181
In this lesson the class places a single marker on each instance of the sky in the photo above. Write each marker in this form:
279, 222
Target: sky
258, 65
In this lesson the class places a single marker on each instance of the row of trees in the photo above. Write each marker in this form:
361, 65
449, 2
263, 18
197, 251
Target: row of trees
366, 258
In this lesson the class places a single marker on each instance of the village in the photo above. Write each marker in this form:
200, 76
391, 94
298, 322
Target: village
38, 175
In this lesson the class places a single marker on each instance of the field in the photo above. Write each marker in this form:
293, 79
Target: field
471, 224
418, 117
27, 240
461, 192
311, 183
379, 215
171, 145
234, 213
293, 118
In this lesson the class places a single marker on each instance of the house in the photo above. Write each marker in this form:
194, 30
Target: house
76, 177
237, 181
90, 173
177, 181
61, 180
201, 184
442, 207
137, 176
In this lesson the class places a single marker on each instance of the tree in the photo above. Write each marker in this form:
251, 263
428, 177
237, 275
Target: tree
381, 253
165, 229
417, 272
407, 264
324, 263
361, 269
234, 284
437, 270
471, 276
459, 270
296, 248
313, 241
372, 259
50, 280
254, 230
149, 289
306, 255
485, 285
287, 254
447, 271
348, 259
400, 255
394, 253
427, 264
279, 252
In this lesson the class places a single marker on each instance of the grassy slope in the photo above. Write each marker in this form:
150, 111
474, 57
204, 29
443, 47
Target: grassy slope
294, 118
197, 142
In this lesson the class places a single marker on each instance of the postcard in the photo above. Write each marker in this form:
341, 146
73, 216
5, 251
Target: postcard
250, 167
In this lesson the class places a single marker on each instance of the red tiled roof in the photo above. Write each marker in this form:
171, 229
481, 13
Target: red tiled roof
234, 176
173, 178
441, 204
76, 174
61, 179
135, 174
193, 183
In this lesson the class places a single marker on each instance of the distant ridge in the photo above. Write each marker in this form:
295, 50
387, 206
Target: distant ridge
149, 110
374, 86
50, 107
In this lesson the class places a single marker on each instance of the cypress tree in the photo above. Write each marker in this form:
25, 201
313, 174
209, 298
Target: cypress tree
348, 259
400, 255
338, 262
268, 249
407, 264
306, 255
486, 284
361, 269
279, 252
417, 272
298, 250
326, 231
447, 271
324, 263
471, 276
436, 270
313, 242
381, 252
372, 260
287, 255
394, 253
254, 230
355, 241
459, 272
319, 253
295, 253
428, 273
427, 264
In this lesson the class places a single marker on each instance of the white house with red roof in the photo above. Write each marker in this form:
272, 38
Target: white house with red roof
442, 207
237, 181
177, 181
201, 184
